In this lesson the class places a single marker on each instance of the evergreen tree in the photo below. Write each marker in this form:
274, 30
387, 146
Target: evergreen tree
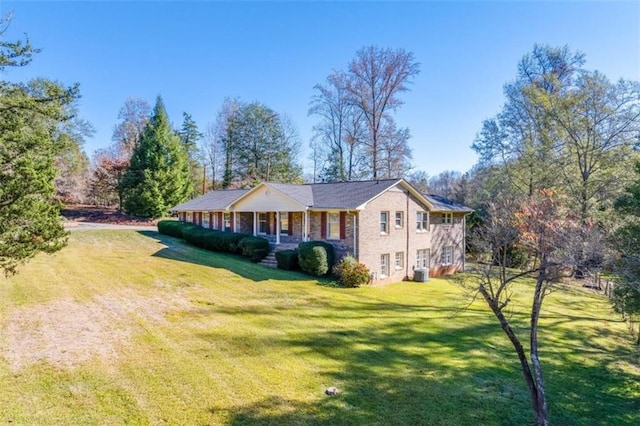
190, 136
32, 116
158, 174
258, 145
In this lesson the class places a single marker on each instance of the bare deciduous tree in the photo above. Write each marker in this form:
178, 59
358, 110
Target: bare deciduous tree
377, 77
134, 116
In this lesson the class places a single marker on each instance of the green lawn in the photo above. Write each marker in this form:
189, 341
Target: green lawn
124, 327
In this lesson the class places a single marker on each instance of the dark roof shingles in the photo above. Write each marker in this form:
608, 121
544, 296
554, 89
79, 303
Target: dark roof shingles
214, 200
441, 203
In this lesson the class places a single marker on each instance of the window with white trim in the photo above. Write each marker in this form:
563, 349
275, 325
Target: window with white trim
399, 219
422, 259
447, 218
205, 219
333, 226
189, 217
262, 223
226, 218
284, 223
399, 260
384, 222
384, 265
447, 255
214, 221
422, 221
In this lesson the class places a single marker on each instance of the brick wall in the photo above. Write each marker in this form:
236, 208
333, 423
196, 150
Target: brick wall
447, 235
405, 239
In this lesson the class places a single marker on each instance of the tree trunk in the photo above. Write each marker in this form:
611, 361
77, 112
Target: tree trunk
540, 403
524, 364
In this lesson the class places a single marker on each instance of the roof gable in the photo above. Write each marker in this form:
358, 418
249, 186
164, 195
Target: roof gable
271, 197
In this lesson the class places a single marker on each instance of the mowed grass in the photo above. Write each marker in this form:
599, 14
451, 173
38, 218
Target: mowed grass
236, 343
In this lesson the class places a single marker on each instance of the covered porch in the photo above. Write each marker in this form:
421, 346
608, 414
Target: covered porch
286, 227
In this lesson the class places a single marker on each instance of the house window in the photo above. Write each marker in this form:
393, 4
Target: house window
205, 219
284, 223
422, 259
447, 218
422, 221
214, 221
189, 217
399, 219
384, 266
384, 222
447, 255
399, 260
262, 223
226, 218
333, 226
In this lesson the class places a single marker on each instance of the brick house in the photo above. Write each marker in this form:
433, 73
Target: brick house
386, 224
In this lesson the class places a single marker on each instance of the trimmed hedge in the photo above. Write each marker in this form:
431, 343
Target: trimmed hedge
173, 228
316, 257
351, 272
255, 248
287, 259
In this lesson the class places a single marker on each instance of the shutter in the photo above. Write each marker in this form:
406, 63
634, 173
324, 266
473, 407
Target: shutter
343, 225
290, 219
220, 223
210, 220
199, 218
323, 225
183, 216
232, 219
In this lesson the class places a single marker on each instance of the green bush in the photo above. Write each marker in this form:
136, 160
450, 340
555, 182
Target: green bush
287, 259
209, 239
172, 228
258, 254
351, 272
316, 257
213, 240
255, 248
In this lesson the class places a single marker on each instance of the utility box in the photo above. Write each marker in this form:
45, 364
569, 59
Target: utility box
421, 275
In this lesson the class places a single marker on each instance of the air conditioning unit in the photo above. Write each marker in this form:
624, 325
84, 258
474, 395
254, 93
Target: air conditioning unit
421, 275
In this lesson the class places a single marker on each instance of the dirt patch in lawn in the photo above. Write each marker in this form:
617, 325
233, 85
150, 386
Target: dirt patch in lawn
66, 333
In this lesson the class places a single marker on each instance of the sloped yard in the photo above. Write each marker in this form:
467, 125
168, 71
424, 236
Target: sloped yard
127, 327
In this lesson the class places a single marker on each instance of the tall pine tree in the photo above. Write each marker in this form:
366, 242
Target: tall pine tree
190, 135
158, 175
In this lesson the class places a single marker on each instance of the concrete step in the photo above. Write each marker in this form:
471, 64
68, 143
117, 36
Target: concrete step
270, 260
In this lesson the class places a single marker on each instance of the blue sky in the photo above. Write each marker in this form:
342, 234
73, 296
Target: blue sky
196, 53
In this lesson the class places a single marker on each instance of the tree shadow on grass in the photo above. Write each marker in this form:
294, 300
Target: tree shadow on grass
402, 369
404, 377
179, 250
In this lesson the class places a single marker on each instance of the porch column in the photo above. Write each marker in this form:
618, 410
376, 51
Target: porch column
255, 224
305, 223
277, 227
